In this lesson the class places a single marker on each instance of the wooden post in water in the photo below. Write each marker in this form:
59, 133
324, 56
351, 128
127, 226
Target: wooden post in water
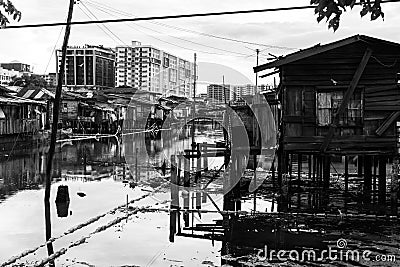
382, 181
136, 165
179, 169
394, 187
205, 158
198, 167
186, 172
299, 167
367, 178
326, 171
395, 174
174, 184
174, 199
375, 160
346, 179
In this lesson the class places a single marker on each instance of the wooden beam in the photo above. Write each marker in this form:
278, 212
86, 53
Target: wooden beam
388, 121
269, 74
346, 98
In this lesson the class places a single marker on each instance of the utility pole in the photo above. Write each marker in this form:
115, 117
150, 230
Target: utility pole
258, 52
56, 106
194, 103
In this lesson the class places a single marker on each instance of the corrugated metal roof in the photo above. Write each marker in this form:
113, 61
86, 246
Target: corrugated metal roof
317, 49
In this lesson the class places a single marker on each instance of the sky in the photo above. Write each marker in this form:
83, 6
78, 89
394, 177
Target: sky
291, 30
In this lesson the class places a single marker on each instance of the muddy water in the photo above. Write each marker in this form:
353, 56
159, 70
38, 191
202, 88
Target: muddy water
102, 171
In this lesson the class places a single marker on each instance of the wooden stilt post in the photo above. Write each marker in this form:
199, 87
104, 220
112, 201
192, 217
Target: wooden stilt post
309, 167
174, 184
186, 172
205, 159
382, 181
394, 188
367, 178
360, 162
299, 167
375, 161
346, 181
326, 171
136, 165
198, 166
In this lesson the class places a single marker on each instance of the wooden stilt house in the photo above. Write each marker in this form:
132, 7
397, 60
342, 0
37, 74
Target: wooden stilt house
339, 100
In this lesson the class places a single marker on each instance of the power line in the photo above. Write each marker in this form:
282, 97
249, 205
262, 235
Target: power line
183, 39
111, 32
111, 9
162, 17
222, 13
54, 49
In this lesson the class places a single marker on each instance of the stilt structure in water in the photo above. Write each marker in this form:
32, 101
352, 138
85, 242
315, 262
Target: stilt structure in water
338, 108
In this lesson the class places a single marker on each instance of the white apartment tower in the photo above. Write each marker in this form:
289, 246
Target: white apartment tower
148, 68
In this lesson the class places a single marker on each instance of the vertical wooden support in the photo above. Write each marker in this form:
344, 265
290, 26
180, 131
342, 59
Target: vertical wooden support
360, 161
174, 184
394, 187
136, 165
186, 205
315, 164
198, 200
179, 169
186, 172
205, 158
174, 199
375, 161
273, 178
326, 171
299, 167
382, 181
198, 165
346, 176
309, 167
279, 167
367, 178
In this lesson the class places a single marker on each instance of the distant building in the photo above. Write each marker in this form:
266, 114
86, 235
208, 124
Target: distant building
218, 93
249, 90
6, 75
51, 79
148, 68
17, 66
90, 67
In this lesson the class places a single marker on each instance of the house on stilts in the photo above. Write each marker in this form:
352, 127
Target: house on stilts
340, 102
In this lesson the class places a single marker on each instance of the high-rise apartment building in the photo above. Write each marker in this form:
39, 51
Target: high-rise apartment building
218, 93
248, 90
90, 67
148, 68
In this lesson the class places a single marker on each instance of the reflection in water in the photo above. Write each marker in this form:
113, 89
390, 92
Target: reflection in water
47, 213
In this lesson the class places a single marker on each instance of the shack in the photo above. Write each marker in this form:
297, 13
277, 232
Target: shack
339, 101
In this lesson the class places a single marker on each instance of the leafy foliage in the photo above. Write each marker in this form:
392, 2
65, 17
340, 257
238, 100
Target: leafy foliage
9, 10
331, 10
29, 81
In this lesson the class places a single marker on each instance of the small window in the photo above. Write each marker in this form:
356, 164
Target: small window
328, 103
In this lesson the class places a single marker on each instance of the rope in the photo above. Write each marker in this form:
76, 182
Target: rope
383, 64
